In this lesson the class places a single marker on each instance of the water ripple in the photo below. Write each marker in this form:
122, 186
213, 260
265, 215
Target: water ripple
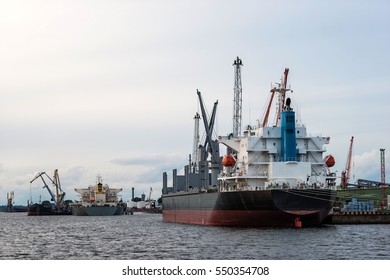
145, 236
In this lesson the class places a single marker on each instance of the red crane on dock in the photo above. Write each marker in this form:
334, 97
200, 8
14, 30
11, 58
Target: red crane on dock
347, 171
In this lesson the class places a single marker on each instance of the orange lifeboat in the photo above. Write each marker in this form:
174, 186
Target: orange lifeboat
329, 160
228, 160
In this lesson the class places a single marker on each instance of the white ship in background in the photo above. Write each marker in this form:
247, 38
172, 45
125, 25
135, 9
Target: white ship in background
98, 200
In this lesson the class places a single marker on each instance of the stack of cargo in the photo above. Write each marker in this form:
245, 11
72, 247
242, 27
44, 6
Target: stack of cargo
359, 206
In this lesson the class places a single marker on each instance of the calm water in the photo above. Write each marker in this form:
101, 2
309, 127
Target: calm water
145, 236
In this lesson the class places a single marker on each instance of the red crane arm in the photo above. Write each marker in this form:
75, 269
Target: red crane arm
268, 109
347, 172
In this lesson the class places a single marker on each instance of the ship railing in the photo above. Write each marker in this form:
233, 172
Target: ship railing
273, 186
289, 159
310, 135
236, 189
299, 186
280, 159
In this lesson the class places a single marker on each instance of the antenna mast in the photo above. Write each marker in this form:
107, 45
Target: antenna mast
237, 110
282, 95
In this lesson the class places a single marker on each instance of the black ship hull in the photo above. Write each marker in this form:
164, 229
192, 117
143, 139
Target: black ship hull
46, 209
279, 208
13, 209
79, 210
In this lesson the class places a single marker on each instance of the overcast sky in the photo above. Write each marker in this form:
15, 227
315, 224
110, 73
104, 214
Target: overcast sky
109, 87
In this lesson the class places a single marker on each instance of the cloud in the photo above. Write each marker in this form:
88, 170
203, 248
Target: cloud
150, 167
367, 165
150, 159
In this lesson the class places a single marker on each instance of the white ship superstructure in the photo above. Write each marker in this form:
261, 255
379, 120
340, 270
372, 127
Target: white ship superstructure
98, 200
259, 164
99, 195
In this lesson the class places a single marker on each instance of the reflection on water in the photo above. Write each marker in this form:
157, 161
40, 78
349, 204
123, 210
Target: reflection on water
145, 236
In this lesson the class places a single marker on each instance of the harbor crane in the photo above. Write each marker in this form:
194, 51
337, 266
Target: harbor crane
383, 177
345, 175
57, 198
149, 205
10, 201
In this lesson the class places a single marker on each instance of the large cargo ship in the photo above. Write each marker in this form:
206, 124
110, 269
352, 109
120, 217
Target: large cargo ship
271, 175
98, 200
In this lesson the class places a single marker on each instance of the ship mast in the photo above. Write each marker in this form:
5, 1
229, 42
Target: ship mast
237, 102
282, 95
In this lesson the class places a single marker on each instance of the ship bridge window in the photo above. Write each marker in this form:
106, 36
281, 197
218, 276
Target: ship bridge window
289, 119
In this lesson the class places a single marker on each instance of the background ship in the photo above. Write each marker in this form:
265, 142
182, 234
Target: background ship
271, 175
98, 200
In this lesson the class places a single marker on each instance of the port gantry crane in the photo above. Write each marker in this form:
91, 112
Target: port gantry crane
345, 175
58, 198
150, 198
10, 201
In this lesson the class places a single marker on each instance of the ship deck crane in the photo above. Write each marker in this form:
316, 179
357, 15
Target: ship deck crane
209, 127
345, 175
281, 89
210, 145
265, 120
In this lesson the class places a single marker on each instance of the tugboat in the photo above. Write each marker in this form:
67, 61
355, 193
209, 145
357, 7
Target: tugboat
99, 200
272, 175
